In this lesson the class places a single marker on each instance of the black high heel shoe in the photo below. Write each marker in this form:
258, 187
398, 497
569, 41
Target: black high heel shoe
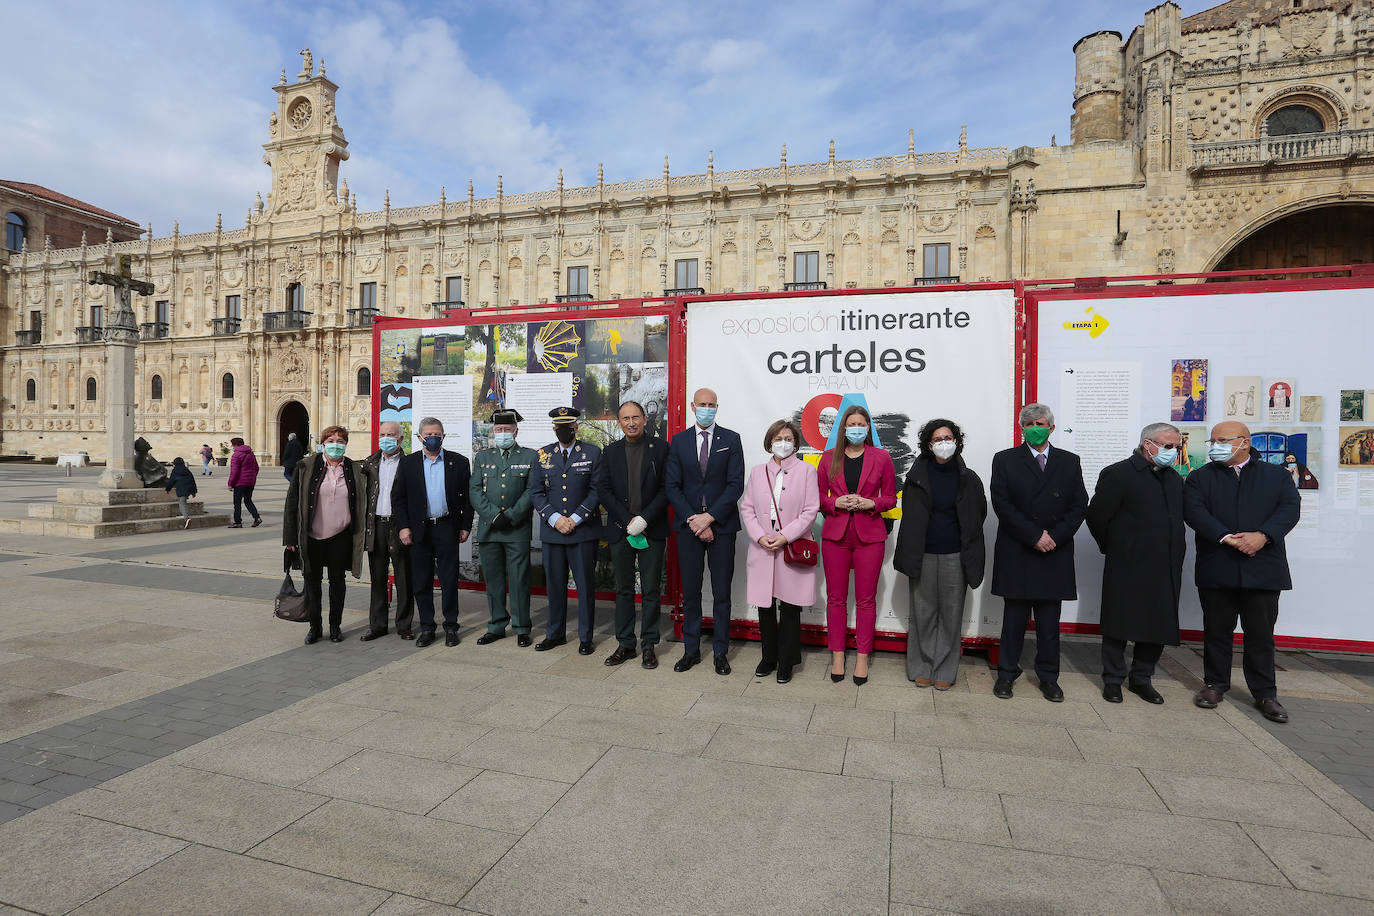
860, 681
835, 678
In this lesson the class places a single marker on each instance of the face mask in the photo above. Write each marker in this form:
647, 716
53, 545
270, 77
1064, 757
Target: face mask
782, 449
705, 416
637, 541
335, 450
503, 440
856, 434
565, 434
1036, 435
1165, 457
433, 443
1220, 451
387, 444
944, 450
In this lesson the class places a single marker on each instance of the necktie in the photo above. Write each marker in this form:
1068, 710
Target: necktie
1041, 458
566, 451
705, 454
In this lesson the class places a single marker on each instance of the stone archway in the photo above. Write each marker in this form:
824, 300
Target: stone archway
292, 418
1334, 234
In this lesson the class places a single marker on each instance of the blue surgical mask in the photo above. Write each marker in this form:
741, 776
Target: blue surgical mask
705, 416
856, 434
433, 443
1220, 451
335, 450
1165, 457
503, 440
388, 445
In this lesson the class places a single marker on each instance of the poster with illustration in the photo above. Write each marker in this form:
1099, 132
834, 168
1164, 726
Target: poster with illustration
1188, 391
1352, 405
1242, 398
1357, 446
1192, 451
1297, 449
1280, 400
1310, 408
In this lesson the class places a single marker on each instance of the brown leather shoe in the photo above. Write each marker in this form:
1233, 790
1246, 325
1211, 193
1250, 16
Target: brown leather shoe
943, 685
921, 681
1208, 697
1272, 709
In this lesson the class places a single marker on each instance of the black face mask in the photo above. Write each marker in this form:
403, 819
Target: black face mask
565, 434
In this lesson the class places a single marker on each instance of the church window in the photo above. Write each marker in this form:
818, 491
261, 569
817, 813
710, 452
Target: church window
1294, 119
30, 390
90, 388
226, 385
155, 388
15, 230
364, 389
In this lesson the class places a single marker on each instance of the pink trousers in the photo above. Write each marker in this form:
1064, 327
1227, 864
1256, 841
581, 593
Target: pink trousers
866, 561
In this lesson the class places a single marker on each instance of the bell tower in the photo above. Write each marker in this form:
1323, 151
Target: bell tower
305, 145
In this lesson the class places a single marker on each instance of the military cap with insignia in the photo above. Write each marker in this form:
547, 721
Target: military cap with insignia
565, 414
510, 415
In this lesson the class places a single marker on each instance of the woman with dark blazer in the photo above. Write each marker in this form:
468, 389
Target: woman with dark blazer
326, 506
857, 484
940, 549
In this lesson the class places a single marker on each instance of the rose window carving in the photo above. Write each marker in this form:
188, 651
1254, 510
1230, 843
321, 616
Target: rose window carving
299, 114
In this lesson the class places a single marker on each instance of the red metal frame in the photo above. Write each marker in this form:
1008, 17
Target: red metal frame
1360, 276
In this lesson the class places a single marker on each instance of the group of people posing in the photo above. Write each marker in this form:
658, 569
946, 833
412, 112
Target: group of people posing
410, 513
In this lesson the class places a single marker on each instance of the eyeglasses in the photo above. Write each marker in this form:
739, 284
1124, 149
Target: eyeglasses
1226, 439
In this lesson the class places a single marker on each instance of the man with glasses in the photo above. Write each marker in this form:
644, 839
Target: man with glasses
1240, 510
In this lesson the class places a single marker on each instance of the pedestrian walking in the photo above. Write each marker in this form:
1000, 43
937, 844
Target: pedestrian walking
207, 457
243, 476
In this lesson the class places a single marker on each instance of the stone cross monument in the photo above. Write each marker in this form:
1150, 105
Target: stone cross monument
121, 340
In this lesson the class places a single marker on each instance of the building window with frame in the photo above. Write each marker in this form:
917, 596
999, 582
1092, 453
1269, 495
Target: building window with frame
295, 298
806, 267
226, 385
367, 295
30, 390
162, 312
453, 289
685, 274
155, 388
1294, 119
233, 307
936, 260
577, 281
91, 389
364, 389
16, 229
97, 316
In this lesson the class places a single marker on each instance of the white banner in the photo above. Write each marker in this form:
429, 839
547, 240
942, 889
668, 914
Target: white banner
906, 357
447, 398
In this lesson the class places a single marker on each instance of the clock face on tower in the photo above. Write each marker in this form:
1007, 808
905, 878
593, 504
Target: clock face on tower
299, 114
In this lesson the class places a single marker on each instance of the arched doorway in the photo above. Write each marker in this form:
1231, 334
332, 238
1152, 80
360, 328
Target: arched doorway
1332, 235
293, 418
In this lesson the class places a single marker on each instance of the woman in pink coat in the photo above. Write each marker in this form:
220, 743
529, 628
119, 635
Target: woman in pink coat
857, 483
780, 503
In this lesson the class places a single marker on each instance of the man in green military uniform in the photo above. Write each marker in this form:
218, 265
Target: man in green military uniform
500, 492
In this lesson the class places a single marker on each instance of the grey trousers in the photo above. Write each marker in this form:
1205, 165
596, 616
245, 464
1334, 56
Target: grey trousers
937, 615
183, 505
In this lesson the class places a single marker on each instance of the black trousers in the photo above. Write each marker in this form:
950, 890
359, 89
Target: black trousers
1258, 611
334, 554
695, 557
389, 554
244, 496
1016, 614
780, 634
649, 561
1143, 661
580, 557
437, 552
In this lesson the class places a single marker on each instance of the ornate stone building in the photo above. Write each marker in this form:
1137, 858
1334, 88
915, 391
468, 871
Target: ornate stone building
1241, 137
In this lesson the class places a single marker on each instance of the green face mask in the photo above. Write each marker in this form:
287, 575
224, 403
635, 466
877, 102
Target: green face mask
335, 450
1036, 435
637, 541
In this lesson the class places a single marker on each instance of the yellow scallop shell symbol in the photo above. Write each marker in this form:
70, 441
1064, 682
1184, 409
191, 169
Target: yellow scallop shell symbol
555, 346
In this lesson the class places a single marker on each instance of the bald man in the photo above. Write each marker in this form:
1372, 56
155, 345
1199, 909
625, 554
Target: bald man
1240, 507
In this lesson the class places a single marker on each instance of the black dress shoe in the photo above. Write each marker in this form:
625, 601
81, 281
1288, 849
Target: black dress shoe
335, 635
373, 633
451, 638
1052, 692
764, 669
585, 647
312, 637
1112, 693
1272, 709
426, 638
545, 645
1002, 689
687, 661
524, 640
649, 659
1208, 697
784, 675
487, 639
1147, 693
722, 665
620, 656
405, 634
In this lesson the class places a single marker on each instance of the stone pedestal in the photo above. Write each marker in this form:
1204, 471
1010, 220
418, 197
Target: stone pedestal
120, 347
101, 512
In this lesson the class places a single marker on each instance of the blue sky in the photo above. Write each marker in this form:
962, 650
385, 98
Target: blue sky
158, 110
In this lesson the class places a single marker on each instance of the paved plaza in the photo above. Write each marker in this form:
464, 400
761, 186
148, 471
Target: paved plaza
167, 746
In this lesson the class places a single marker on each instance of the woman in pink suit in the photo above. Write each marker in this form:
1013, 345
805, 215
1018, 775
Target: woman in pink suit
858, 483
780, 502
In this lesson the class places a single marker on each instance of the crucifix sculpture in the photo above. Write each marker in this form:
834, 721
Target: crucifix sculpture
121, 338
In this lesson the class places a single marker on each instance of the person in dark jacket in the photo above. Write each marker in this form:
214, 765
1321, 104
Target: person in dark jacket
1136, 517
293, 451
1240, 508
1039, 497
941, 551
185, 483
384, 549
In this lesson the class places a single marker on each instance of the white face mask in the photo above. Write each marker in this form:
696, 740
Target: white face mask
944, 450
782, 449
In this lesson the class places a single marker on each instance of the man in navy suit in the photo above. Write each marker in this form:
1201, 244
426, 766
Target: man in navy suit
563, 490
1039, 497
705, 479
432, 515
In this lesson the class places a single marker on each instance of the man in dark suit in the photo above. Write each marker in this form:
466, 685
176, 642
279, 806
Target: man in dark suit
384, 549
705, 479
1039, 497
1136, 517
432, 514
1240, 509
630, 487
563, 491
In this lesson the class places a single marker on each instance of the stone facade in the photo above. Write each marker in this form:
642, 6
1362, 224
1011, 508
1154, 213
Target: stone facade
1169, 139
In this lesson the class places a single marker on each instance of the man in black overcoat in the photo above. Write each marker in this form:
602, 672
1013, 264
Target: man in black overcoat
1240, 508
1136, 517
1039, 498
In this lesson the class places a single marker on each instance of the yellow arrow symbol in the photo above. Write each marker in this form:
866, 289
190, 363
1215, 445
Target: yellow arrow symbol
1095, 326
